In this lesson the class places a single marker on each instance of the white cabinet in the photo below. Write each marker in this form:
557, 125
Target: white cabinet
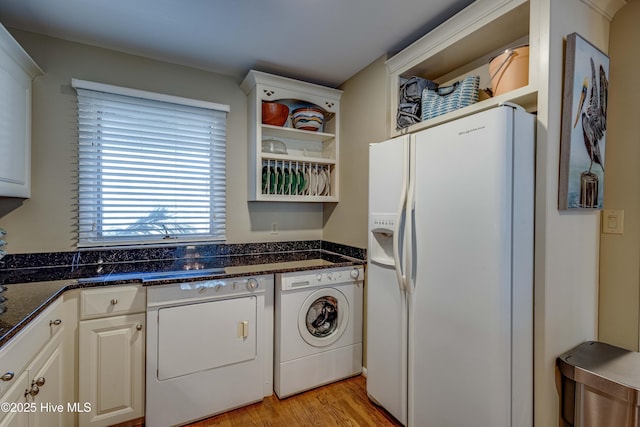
17, 70
112, 354
15, 396
33, 373
46, 388
463, 45
308, 172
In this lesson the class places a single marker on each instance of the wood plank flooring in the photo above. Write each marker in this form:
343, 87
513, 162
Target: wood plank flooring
344, 403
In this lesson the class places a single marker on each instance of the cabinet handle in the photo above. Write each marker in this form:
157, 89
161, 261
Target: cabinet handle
55, 322
7, 376
114, 301
138, 327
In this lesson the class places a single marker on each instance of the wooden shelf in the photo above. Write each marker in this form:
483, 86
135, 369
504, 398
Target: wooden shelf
298, 134
298, 159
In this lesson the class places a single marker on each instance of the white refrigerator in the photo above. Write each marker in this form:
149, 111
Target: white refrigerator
450, 272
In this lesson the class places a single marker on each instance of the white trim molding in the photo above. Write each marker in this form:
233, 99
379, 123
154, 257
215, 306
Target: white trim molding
119, 90
606, 8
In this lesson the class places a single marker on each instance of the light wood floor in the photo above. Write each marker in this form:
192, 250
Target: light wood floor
344, 403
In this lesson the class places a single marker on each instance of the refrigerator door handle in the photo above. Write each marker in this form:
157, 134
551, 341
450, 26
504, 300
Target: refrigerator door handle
409, 232
400, 216
396, 250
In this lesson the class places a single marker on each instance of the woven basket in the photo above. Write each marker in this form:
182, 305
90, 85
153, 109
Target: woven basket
436, 102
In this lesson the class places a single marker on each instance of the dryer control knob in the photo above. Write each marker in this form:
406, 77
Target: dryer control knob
329, 276
354, 273
252, 284
318, 277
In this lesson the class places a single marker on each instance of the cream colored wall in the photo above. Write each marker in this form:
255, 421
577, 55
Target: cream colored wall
567, 243
45, 222
364, 120
620, 254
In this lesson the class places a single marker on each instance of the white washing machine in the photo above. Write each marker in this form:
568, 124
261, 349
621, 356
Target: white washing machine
318, 328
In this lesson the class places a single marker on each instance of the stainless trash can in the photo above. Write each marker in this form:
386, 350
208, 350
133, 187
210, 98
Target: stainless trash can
600, 386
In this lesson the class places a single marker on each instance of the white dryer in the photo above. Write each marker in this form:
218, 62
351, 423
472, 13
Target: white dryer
318, 328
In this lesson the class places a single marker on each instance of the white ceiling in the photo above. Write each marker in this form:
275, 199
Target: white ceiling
322, 41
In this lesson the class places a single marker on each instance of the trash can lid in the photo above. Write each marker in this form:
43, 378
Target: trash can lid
613, 370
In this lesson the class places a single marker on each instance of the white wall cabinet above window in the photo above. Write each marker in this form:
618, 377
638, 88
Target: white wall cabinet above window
17, 70
464, 45
288, 163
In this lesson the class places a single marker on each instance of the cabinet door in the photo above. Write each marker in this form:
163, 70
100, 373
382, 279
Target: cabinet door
17, 70
15, 396
46, 374
111, 376
15, 130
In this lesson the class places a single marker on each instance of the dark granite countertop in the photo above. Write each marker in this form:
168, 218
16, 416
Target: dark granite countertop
26, 300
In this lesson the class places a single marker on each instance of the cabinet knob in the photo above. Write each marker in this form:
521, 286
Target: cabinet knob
138, 327
7, 376
114, 301
40, 381
33, 391
55, 322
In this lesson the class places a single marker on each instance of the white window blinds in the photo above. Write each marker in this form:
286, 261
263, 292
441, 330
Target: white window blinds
151, 167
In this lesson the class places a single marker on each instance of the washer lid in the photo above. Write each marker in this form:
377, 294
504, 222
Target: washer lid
323, 317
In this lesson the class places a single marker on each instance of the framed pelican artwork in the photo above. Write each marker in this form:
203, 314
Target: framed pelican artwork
584, 126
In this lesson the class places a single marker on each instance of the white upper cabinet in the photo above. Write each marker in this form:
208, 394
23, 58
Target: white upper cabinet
17, 70
287, 163
464, 45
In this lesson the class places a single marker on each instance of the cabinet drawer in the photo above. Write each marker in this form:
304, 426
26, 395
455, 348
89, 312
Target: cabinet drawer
112, 300
17, 353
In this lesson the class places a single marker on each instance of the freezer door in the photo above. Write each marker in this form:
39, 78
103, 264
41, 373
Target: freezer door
386, 301
460, 312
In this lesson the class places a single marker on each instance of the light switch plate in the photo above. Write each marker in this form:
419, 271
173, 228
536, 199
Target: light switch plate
613, 221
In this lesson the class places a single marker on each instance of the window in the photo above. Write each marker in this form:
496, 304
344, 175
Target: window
151, 167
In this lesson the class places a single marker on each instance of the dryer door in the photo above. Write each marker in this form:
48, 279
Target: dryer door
323, 317
208, 335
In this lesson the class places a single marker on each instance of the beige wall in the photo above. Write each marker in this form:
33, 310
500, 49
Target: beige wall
364, 120
567, 243
45, 222
620, 254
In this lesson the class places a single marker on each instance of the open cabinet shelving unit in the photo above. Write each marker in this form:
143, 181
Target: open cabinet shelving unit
463, 45
313, 155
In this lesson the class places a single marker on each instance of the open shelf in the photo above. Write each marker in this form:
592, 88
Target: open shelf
464, 45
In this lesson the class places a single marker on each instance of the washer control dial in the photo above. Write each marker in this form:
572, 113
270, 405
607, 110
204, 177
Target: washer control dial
354, 273
252, 284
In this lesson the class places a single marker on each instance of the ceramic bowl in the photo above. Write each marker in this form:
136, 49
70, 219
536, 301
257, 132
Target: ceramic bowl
307, 118
274, 113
